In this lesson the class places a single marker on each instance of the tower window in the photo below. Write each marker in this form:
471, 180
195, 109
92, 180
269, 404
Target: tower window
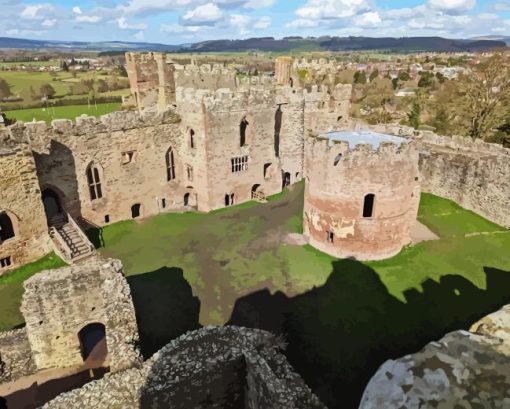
192, 138
239, 164
330, 237
242, 130
189, 169
94, 182
6, 227
5, 262
170, 165
368, 205
128, 157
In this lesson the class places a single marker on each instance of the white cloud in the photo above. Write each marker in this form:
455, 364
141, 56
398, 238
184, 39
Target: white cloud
241, 23
206, 14
259, 4
303, 23
452, 6
262, 23
333, 9
370, 19
123, 24
37, 11
88, 19
77, 10
49, 22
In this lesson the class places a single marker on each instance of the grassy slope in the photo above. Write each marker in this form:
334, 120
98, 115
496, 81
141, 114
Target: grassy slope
11, 289
64, 112
184, 241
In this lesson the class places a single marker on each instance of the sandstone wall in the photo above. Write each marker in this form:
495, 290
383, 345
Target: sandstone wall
20, 199
474, 174
334, 197
205, 76
64, 151
15, 355
57, 304
213, 367
151, 80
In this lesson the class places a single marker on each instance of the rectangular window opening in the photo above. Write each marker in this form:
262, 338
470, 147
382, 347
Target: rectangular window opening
239, 164
5, 262
107, 218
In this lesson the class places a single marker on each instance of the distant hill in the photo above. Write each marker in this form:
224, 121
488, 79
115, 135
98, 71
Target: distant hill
506, 39
277, 45
7, 42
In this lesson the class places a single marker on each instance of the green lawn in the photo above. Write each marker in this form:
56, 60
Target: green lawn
341, 318
64, 112
11, 289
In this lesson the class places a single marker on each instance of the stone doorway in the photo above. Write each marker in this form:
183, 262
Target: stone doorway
286, 180
55, 213
136, 211
93, 343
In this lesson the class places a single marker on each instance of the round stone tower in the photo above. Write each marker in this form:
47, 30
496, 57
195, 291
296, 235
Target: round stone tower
362, 194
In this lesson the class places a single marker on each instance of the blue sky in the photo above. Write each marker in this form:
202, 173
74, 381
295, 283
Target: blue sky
183, 21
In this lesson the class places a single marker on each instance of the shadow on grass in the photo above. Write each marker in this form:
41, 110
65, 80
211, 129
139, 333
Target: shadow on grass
165, 307
339, 334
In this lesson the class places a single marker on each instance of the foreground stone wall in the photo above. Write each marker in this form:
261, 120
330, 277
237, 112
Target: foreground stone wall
57, 304
15, 355
339, 178
462, 370
214, 367
20, 200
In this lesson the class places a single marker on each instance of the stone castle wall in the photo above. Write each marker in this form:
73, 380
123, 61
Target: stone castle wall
57, 304
205, 76
64, 151
20, 199
151, 79
334, 197
15, 355
223, 367
474, 174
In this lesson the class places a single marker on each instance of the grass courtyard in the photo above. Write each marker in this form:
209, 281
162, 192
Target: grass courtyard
341, 318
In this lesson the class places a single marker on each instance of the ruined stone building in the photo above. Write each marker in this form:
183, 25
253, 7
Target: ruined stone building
67, 312
201, 138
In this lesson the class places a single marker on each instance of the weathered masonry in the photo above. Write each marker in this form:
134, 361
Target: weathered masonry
362, 194
75, 317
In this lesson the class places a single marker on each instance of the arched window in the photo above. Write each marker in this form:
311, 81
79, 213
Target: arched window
6, 227
368, 205
192, 138
94, 182
242, 130
170, 165
277, 129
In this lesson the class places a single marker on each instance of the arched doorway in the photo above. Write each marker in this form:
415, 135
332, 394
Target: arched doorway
254, 190
52, 206
186, 199
93, 342
136, 210
6, 227
286, 179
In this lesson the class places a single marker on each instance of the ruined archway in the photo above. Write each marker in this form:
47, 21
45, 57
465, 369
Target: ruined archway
93, 343
53, 206
7, 227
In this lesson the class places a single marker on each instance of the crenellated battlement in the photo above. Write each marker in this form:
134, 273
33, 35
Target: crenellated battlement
40, 133
226, 99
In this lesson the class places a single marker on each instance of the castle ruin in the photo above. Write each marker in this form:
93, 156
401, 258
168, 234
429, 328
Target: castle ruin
201, 138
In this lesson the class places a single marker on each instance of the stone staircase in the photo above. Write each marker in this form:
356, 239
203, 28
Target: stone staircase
71, 243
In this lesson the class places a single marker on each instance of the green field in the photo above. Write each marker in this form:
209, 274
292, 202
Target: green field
340, 318
26, 85
11, 289
64, 112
